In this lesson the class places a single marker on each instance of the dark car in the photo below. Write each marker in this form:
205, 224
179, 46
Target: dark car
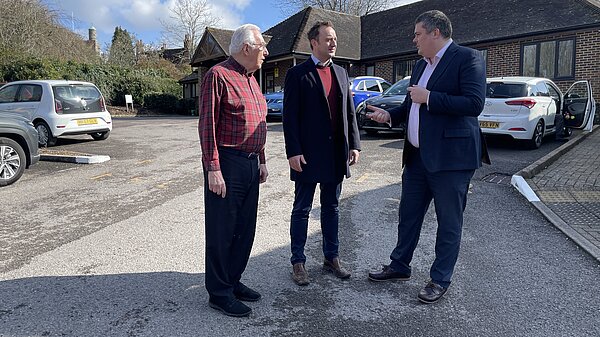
365, 87
18, 147
274, 104
391, 98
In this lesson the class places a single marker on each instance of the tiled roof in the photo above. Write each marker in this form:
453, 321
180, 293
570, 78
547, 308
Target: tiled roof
289, 36
193, 77
474, 21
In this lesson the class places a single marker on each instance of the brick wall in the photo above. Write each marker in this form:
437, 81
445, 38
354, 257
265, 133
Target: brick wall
504, 59
385, 70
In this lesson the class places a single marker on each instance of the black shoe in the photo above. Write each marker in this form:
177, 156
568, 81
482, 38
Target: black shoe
388, 274
230, 307
432, 293
243, 293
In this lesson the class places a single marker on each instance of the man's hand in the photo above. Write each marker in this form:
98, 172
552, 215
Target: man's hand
216, 183
296, 162
353, 157
264, 173
418, 94
379, 115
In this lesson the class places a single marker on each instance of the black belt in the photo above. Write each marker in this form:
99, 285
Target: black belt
248, 155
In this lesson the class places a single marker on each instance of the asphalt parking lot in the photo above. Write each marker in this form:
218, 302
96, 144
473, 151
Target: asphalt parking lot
116, 249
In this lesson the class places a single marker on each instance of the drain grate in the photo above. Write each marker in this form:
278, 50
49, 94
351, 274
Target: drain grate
497, 178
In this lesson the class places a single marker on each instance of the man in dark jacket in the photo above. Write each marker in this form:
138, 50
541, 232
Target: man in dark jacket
322, 141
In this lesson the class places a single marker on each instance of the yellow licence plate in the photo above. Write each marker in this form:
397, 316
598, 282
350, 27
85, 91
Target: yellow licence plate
489, 125
87, 121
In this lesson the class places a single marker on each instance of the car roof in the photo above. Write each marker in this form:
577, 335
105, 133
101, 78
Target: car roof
50, 82
366, 78
518, 79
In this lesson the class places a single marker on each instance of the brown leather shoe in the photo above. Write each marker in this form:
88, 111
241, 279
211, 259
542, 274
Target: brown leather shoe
336, 268
299, 274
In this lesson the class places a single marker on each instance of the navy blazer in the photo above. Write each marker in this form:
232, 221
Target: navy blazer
449, 133
307, 124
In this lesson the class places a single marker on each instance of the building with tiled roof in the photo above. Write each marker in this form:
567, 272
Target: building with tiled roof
557, 39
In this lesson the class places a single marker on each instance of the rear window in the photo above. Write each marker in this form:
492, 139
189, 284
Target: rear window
77, 98
505, 90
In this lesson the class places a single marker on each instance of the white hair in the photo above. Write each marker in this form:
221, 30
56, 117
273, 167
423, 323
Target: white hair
243, 34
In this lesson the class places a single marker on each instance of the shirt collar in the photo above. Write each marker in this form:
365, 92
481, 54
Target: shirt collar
319, 63
237, 66
439, 54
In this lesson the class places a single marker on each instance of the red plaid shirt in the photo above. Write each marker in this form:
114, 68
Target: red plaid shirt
232, 112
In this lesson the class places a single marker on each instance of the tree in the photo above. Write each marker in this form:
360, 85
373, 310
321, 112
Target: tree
189, 18
122, 51
30, 28
354, 7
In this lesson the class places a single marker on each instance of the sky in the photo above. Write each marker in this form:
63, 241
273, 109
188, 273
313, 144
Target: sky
141, 17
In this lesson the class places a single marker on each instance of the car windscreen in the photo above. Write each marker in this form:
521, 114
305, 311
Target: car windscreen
77, 98
399, 88
506, 90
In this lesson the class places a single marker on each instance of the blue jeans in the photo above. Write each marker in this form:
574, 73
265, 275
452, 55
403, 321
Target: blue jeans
330, 196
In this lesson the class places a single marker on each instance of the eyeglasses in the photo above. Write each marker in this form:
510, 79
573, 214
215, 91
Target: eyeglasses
261, 46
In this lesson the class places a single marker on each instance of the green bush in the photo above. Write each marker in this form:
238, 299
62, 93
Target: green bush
115, 82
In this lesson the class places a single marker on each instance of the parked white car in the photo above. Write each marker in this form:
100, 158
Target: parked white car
529, 108
58, 108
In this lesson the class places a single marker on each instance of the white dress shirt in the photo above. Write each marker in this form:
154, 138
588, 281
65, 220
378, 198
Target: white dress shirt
413, 117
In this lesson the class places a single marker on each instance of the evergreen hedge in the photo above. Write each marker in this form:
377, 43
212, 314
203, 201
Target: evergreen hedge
151, 88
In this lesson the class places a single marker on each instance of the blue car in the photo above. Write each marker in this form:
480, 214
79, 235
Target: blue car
364, 87
274, 104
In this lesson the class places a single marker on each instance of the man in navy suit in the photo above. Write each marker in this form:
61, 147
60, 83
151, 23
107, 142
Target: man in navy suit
443, 148
321, 141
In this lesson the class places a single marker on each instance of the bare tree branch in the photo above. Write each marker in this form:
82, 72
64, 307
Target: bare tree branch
354, 7
189, 18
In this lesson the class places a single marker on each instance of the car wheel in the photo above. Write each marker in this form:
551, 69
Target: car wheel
371, 132
538, 135
100, 135
45, 137
12, 161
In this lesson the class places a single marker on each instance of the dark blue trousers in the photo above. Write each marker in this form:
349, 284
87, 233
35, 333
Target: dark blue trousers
448, 189
230, 223
304, 194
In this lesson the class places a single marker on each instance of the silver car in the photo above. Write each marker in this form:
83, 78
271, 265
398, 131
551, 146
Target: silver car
18, 147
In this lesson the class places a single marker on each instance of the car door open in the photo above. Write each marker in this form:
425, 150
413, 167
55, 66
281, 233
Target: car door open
579, 108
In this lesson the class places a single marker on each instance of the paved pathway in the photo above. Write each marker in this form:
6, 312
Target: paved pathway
570, 189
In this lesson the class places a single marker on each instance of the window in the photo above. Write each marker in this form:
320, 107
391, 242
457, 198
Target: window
370, 70
7, 95
550, 59
30, 93
403, 69
384, 85
372, 85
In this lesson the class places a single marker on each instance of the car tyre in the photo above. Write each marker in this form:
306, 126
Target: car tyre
45, 137
12, 161
100, 135
538, 135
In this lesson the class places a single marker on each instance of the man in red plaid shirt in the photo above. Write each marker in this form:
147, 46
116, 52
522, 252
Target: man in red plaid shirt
233, 132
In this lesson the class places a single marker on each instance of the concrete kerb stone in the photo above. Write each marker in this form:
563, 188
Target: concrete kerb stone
542, 163
519, 182
72, 157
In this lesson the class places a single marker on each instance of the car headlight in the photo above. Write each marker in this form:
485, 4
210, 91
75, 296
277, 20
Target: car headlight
361, 107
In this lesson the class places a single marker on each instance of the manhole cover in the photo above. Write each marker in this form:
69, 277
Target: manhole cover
497, 178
